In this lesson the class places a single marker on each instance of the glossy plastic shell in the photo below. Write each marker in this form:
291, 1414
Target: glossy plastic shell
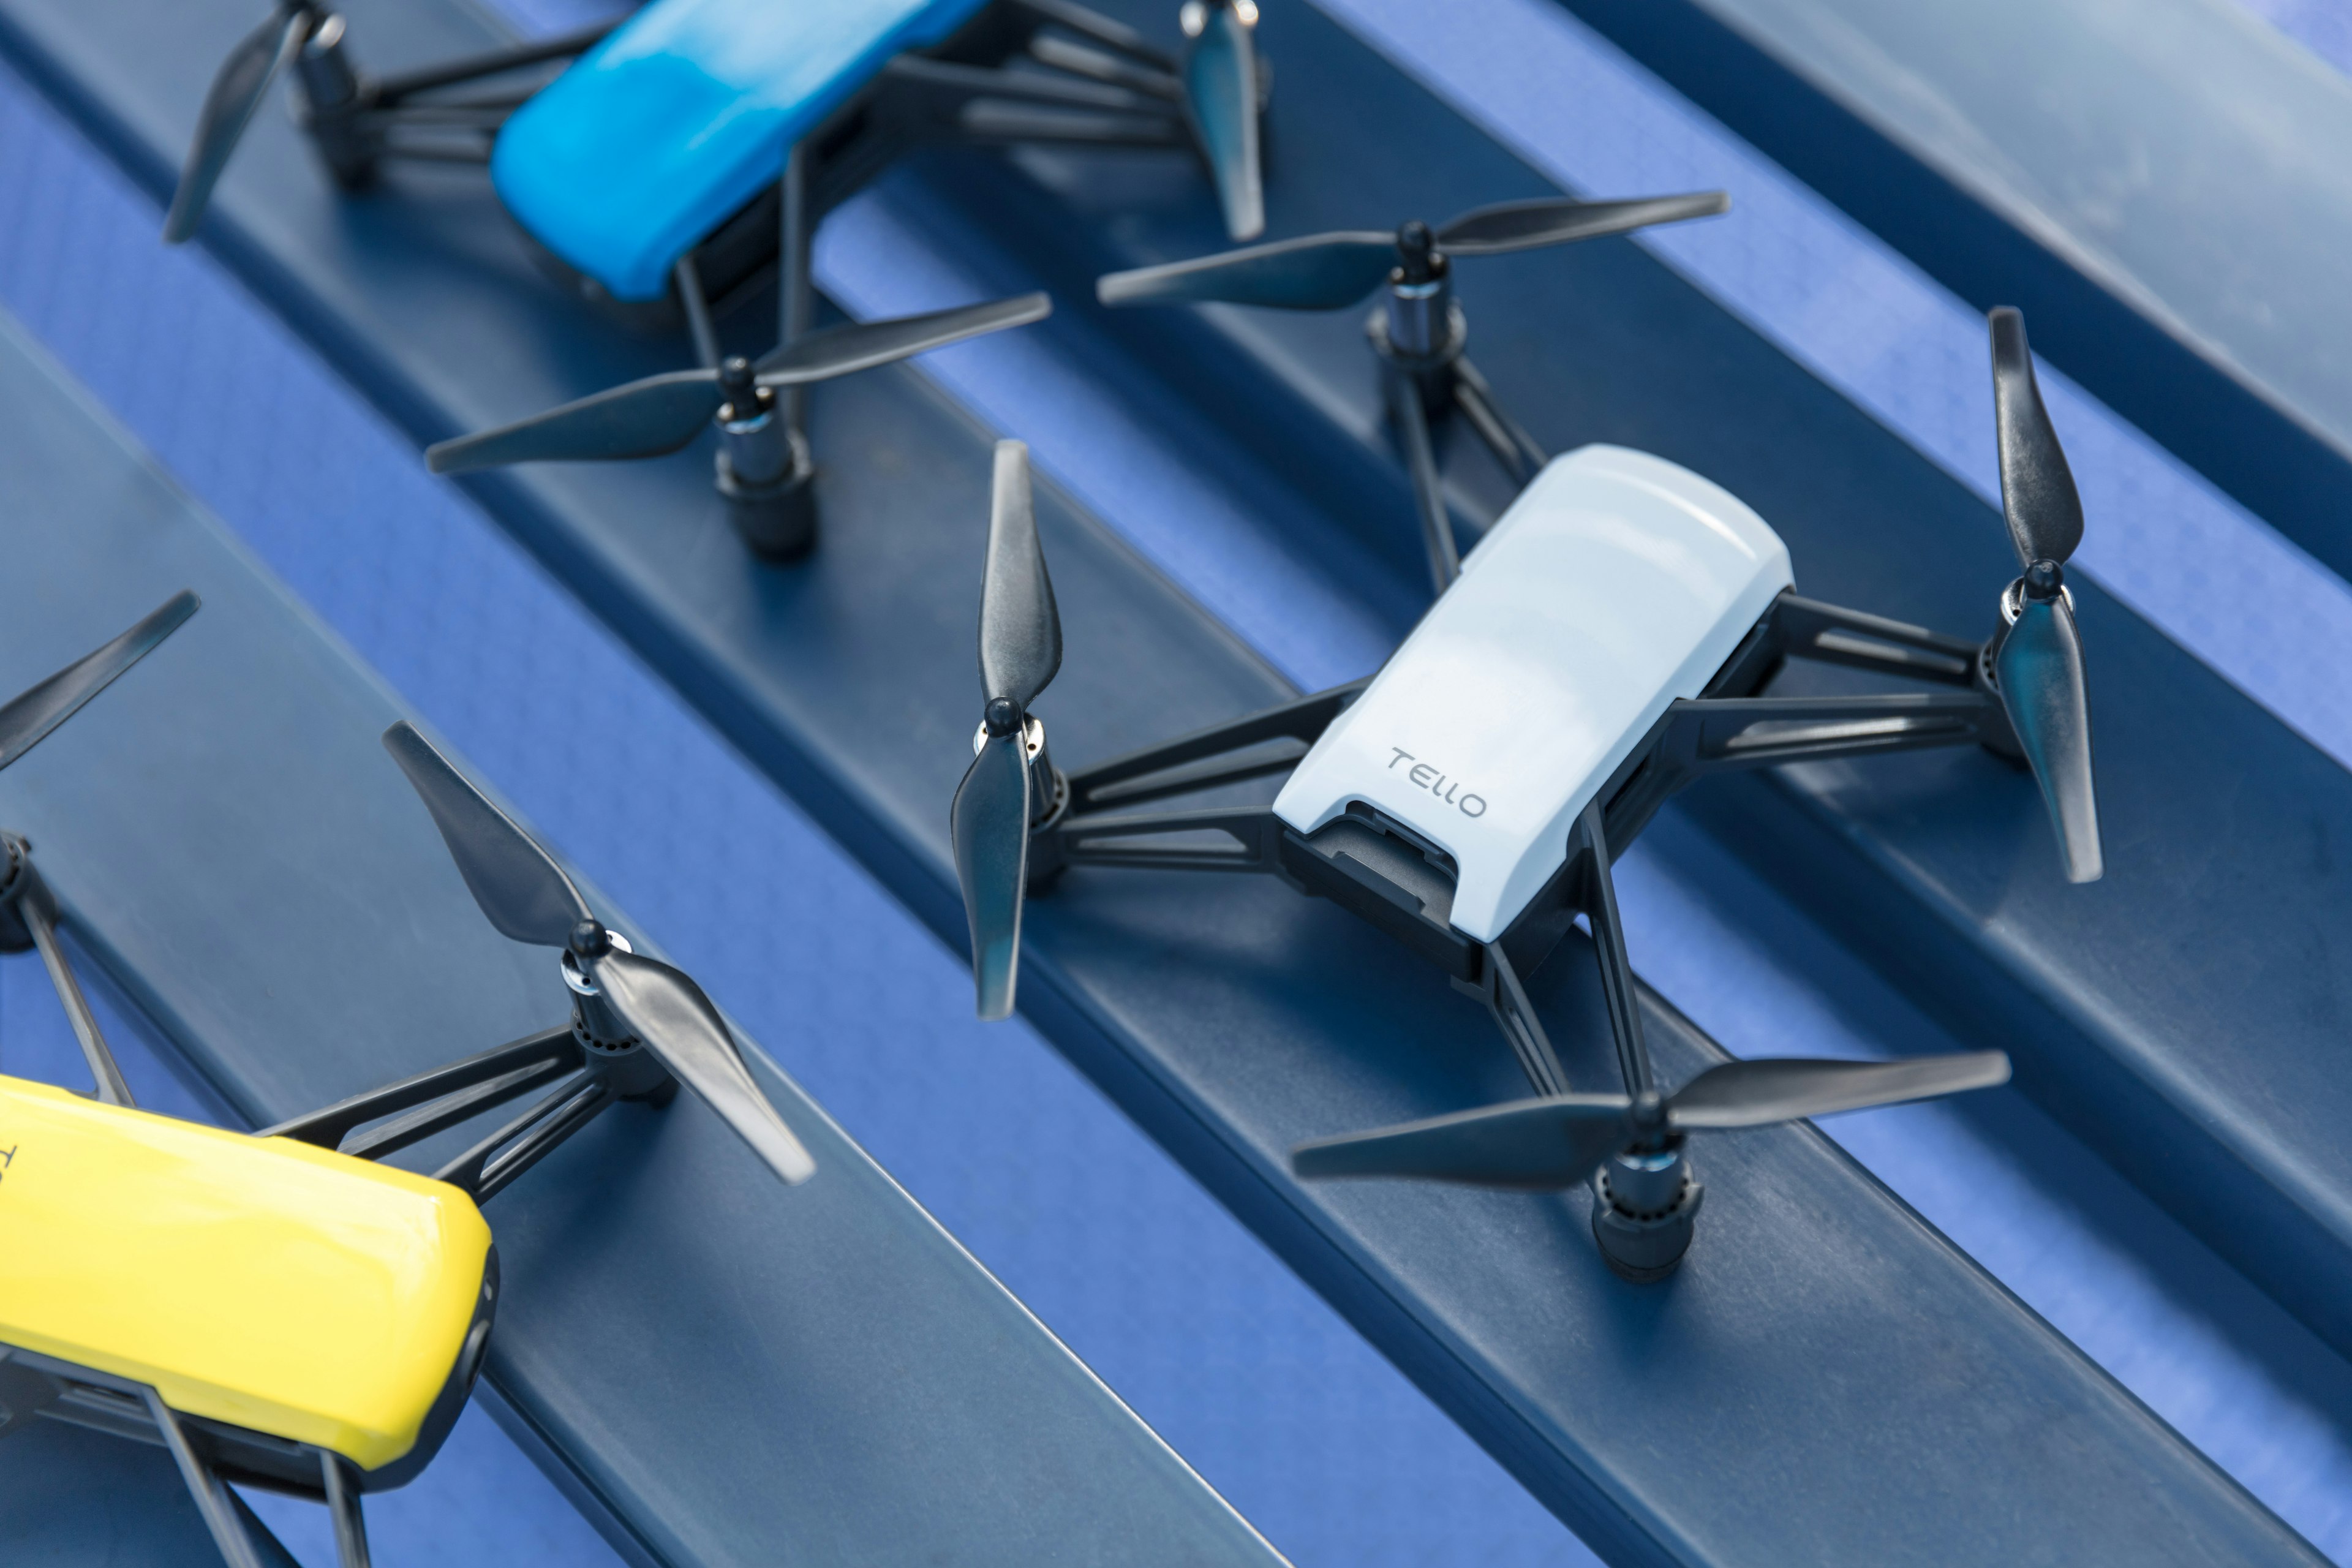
260, 1282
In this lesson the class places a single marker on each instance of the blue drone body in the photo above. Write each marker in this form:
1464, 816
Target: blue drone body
682, 115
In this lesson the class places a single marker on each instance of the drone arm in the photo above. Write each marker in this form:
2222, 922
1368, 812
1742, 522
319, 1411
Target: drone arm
544, 1054
1163, 770
1716, 734
392, 89
1609, 946
33, 908
344, 1505
983, 104
1254, 836
1829, 634
1093, 26
1428, 489
225, 1514
1513, 447
484, 1171
1104, 66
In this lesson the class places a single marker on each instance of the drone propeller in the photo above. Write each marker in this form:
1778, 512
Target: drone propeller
663, 412
34, 713
1326, 272
236, 92
1548, 1145
1221, 98
2038, 666
528, 898
1020, 649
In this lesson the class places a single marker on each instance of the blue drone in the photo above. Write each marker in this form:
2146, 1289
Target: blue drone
673, 155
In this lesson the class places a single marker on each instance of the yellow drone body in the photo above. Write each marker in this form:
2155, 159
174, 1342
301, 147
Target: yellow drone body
259, 1283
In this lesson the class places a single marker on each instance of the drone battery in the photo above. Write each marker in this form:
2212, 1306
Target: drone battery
1615, 583
662, 132
257, 1283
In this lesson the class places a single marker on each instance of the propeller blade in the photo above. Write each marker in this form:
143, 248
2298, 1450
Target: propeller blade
1757, 1093
1532, 1145
676, 1022
1221, 97
236, 92
990, 825
1524, 225
2037, 488
862, 345
2040, 669
1321, 272
525, 894
1020, 629
644, 419
42, 709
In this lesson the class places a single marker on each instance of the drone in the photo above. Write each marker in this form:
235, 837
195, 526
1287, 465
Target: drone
328, 1314
1418, 329
671, 155
1608, 642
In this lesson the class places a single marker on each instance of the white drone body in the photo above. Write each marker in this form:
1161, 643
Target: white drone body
1616, 583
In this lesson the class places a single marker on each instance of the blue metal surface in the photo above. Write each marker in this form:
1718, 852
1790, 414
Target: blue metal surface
1492, 1293
2155, 185
629, 158
716, 1359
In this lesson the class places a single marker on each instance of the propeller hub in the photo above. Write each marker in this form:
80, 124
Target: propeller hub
1648, 1113
1419, 260
1002, 717
736, 378
589, 939
2044, 581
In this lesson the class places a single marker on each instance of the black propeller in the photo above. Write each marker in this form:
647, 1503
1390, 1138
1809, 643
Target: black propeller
663, 412
1221, 101
236, 92
1020, 649
1326, 272
2039, 666
35, 712
528, 898
1548, 1145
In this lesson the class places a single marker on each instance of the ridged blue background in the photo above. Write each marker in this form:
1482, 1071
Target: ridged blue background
1314, 1437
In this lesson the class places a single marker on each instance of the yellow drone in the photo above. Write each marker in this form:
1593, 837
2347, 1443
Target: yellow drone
276, 1309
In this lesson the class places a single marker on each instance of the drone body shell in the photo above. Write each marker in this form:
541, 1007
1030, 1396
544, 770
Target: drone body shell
666, 129
263, 1284
1616, 583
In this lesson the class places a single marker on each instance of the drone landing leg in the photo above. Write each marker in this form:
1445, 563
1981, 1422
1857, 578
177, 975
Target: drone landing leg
33, 909
1507, 999
223, 1514
343, 1504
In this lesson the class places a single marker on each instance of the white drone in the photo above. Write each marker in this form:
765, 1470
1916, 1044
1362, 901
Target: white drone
1605, 645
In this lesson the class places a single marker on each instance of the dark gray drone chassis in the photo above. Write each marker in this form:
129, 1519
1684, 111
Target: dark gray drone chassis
267, 971
1231, 1017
